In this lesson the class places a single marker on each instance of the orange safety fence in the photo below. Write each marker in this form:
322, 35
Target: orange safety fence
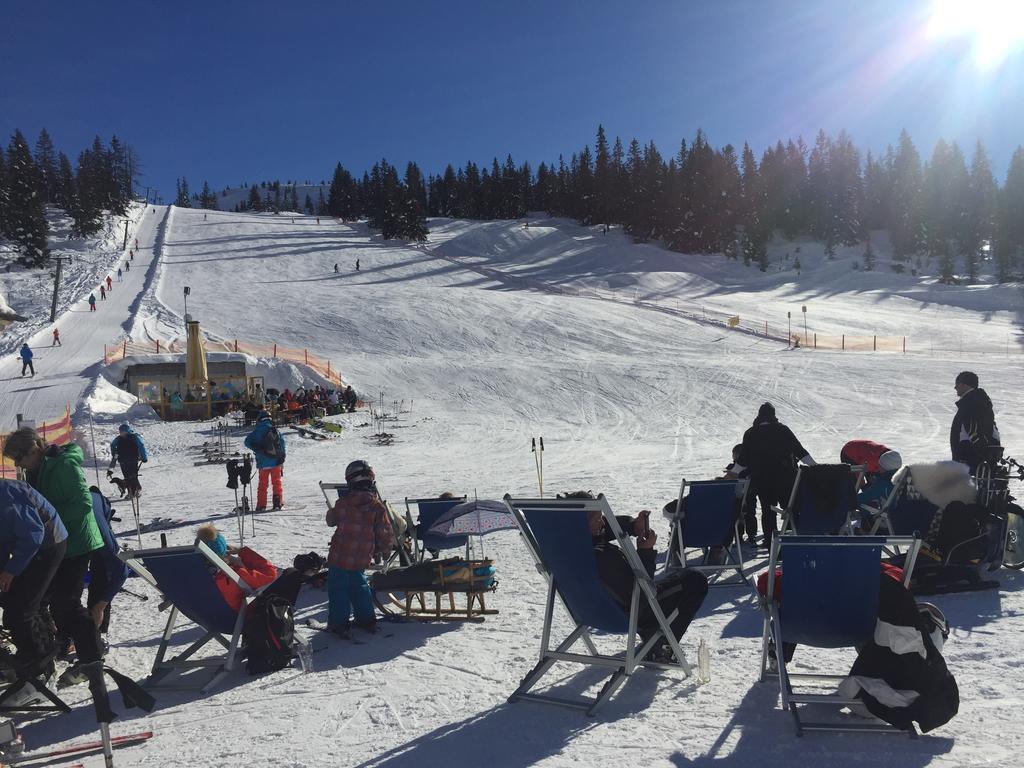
55, 431
121, 350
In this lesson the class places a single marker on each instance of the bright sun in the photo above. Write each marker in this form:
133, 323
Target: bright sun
994, 29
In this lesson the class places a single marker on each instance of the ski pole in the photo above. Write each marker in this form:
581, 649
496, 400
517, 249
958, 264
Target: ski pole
95, 458
536, 462
542, 467
136, 595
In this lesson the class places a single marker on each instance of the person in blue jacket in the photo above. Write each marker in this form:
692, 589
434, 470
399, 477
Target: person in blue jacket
129, 451
26, 359
268, 446
107, 572
32, 544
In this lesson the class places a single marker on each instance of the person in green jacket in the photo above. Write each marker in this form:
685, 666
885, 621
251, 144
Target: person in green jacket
56, 472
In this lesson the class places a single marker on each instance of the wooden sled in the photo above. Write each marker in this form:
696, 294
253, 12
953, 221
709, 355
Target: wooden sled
414, 601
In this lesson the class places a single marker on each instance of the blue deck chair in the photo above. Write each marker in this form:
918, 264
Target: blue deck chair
823, 501
399, 527
558, 536
902, 513
709, 517
829, 600
429, 510
184, 576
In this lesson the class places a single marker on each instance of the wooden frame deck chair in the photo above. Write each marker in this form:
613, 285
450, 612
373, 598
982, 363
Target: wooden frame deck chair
558, 536
399, 554
184, 576
823, 501
429, 510
829, 599
710, 515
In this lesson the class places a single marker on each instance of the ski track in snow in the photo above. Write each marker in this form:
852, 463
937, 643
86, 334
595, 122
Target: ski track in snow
629, 398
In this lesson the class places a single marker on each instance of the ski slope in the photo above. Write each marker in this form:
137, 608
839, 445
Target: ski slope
468, 338
65, 373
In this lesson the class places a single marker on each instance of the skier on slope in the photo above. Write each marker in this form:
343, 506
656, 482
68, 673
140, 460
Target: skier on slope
128, 450
357, 265
127, 266
119, 273
56, 338
92, 301
26, 359
335, 269
103, 293
137, 239
110, 283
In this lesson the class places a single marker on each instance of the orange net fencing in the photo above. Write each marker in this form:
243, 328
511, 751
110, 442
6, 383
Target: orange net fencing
55, 431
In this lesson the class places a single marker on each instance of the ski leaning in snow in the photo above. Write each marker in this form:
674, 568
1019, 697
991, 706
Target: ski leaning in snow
161, 523
86, 746
320, 626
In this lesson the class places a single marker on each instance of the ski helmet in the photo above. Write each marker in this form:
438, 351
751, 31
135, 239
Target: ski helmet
890, 461
359, 471
935, 624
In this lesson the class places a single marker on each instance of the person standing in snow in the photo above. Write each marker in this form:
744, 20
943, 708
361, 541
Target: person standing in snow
56, 472
128, 450
119, 273
26, 359
131, 255
127, 266
137, 239
335, 269
56, 338
357, 265
361, 528
32, 544
973, 435
103, 293
267, 443
770, 452
110, 283
92, 300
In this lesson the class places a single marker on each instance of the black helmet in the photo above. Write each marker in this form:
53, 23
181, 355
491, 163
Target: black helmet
359, 471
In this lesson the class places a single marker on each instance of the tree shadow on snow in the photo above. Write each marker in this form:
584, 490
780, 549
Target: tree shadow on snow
523, 733
761, 734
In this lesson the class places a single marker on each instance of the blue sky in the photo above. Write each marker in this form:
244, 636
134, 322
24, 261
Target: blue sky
232, 91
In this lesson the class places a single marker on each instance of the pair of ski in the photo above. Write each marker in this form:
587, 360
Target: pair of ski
82, 748
348, 635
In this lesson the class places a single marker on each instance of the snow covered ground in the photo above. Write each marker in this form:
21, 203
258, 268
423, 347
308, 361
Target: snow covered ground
469, 336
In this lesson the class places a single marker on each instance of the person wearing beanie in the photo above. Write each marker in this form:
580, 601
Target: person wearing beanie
362, 528
770, 452
129, 452
267, 443
254, 569
973, 435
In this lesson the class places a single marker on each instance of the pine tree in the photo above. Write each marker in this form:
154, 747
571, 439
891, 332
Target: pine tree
905, 216
869, 257
1010, 225
604, 179
46, 161
24, 217
64, 188
980, 220
207, 198
308, 205
182, 199
255, 203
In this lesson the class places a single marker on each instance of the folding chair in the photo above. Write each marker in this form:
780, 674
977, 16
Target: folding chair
399, 526
558, 536
429, 511
183, 575
709, 516
823, 500
829, 600
57, 704
902, 513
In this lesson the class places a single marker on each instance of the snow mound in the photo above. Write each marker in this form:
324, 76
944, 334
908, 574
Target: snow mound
107, 401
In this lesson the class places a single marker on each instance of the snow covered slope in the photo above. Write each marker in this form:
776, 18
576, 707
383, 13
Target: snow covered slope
468, 337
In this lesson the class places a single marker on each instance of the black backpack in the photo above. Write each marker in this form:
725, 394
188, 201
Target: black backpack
269, 634
127, 450
270, 440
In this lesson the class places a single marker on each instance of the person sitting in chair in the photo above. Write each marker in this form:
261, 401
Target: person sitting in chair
253, 569
684, 590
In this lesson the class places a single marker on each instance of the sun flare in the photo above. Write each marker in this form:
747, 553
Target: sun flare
994, 29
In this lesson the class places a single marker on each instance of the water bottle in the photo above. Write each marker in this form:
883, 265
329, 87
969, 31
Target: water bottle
703, 662
305, 653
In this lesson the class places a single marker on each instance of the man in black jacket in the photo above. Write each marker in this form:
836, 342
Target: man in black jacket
770, 452
973, 433
684, 590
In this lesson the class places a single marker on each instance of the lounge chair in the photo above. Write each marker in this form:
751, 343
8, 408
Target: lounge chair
708, 518
829, 599
185, 578
823, 501
429, 511
558, 537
